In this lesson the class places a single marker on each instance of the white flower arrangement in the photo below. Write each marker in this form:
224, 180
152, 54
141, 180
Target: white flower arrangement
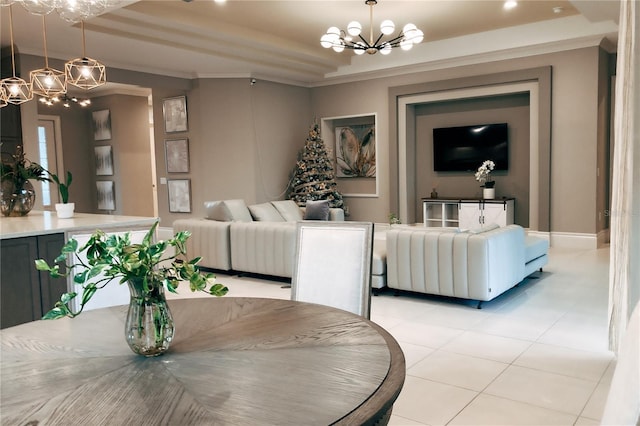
484, 172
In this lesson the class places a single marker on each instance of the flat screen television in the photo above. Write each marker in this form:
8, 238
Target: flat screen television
465, 148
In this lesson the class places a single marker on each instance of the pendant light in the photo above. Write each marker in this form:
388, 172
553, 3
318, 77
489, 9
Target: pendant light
85, 73
16, 90
47, 81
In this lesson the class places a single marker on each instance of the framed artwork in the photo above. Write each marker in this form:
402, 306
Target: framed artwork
101, 125
106, 195
177, 155
354, 138
104, 160
175, 114
179, 195
356, 151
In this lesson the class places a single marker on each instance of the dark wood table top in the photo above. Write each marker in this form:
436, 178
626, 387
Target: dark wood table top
240, 361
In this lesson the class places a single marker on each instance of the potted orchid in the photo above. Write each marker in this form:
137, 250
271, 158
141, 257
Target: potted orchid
483, 175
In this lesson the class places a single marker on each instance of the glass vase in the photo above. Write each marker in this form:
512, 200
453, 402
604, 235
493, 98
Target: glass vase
149, 327
17, 201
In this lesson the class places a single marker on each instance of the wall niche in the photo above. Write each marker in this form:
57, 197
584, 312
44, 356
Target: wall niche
510, 108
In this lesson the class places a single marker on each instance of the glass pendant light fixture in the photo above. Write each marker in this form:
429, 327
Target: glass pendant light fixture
339, 40
16, 90
47, 81
85, 73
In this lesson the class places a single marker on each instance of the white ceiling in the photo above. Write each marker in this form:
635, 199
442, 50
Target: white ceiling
279, 40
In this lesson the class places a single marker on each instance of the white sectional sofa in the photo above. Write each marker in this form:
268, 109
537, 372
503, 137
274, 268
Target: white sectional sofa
478, 264
258, 239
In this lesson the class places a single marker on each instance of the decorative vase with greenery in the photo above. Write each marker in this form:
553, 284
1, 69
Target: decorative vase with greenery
17, 195
147, 270
65, 208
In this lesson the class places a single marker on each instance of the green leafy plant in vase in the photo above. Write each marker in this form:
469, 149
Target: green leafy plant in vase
17, 195
145, 267
64, 209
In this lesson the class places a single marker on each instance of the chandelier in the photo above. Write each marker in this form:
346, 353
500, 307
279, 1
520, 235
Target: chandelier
70, 10
85, 73
51, 84
65, 100
47, 81
14, 90
339, 40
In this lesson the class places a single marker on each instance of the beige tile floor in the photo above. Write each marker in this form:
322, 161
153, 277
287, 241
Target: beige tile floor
537, 355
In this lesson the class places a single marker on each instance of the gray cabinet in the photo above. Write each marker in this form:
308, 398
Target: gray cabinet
26, 293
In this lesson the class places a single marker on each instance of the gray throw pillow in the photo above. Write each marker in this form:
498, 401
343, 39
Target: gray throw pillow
317, 210
217, 210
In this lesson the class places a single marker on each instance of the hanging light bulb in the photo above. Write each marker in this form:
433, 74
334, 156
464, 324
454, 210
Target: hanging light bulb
47, 81
16, 90
85, 73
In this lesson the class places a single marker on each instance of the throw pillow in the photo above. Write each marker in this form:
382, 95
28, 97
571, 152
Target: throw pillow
317, 210
239, 210
217, 210
289, 210
265, 212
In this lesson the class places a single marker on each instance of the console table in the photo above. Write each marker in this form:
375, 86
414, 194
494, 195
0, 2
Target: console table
236, 361
467, 213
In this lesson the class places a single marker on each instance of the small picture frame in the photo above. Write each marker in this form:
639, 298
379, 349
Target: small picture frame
177, 155
106, 195
179, 195
104, 160
174, 111
101, 125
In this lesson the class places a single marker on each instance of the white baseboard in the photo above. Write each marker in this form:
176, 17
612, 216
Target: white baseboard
574, 240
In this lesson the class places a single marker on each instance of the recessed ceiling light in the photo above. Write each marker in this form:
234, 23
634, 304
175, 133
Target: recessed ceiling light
510, 4
558, 9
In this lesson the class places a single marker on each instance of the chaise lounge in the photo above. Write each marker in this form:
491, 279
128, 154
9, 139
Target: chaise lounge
476, 264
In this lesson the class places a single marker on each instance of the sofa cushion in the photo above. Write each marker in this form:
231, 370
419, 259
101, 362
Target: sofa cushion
534, 247
217, 210
265, 212
317, 210
239, 210
289, 210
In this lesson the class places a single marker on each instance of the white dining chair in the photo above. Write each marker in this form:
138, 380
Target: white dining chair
333, 265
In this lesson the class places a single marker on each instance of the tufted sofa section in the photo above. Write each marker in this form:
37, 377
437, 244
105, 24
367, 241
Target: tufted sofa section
268, 250
471, 265
259, 239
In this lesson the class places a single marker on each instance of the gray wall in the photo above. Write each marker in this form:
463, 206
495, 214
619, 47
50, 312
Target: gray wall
244, 139
576, 122
511, 109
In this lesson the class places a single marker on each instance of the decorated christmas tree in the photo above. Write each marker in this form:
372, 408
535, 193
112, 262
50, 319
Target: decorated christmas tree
313, 177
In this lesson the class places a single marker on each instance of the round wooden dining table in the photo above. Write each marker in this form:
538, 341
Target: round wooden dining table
233, 360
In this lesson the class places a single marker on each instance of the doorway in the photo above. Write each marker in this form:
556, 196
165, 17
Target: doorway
50, 156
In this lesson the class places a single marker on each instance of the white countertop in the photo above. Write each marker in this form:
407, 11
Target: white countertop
44, 222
